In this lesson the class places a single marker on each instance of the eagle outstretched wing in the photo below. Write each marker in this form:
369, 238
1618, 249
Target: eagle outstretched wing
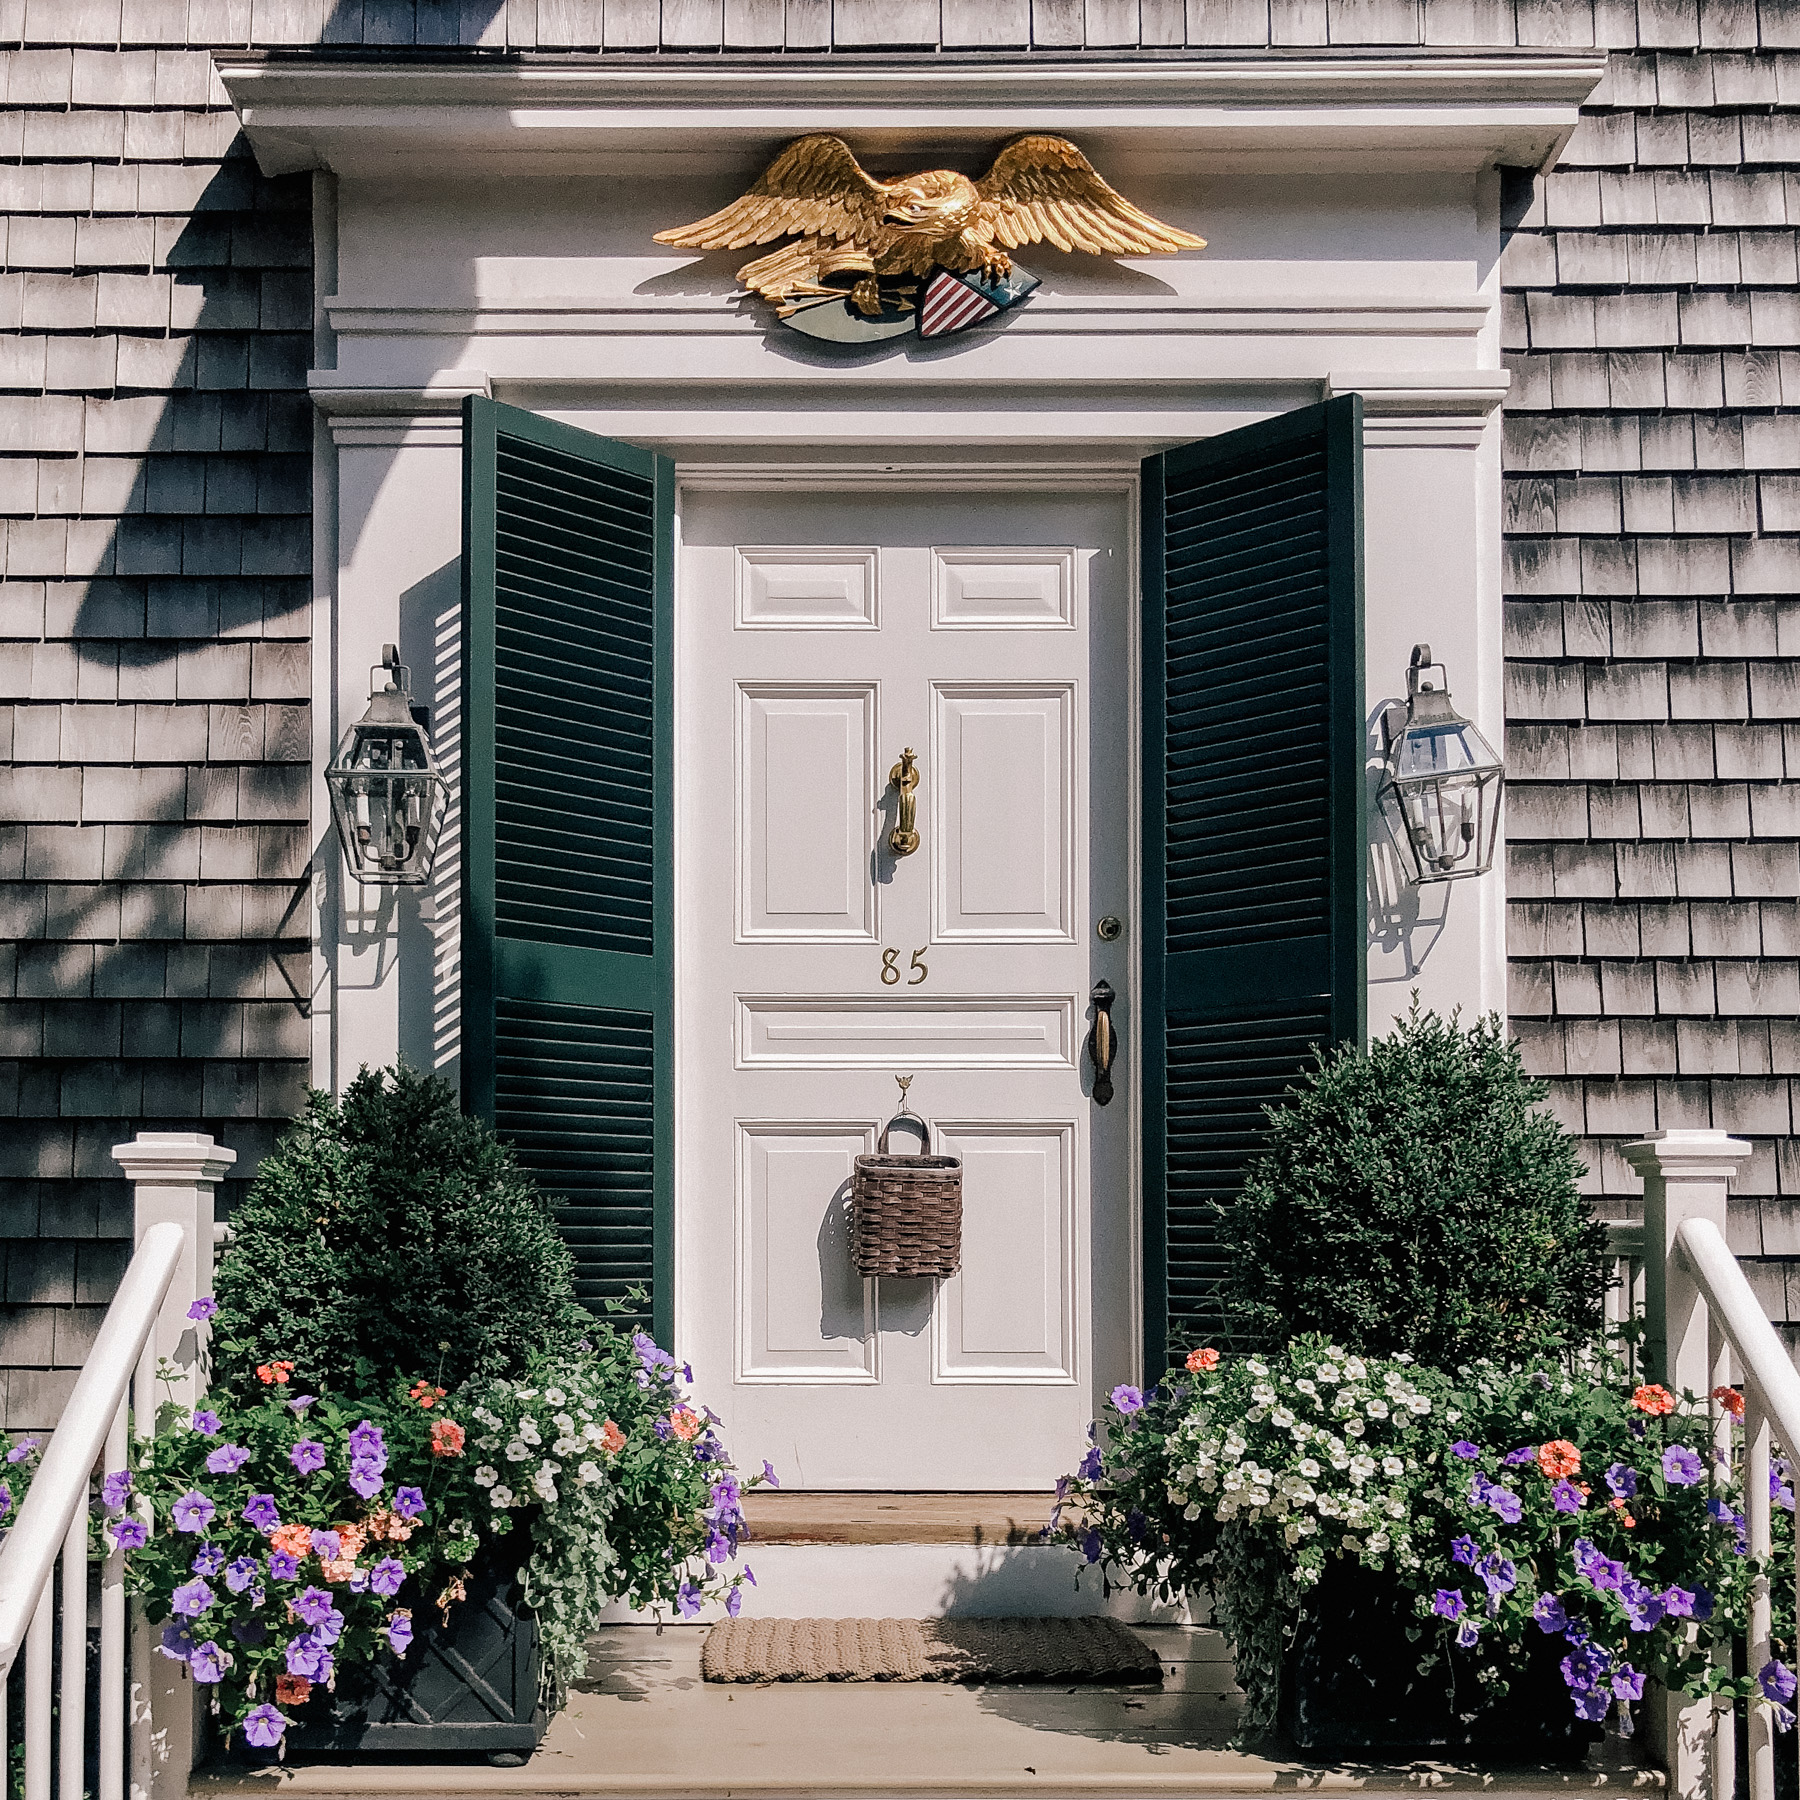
815, 186
1043, 187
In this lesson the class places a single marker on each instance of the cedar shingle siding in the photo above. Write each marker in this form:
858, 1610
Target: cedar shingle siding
155, 317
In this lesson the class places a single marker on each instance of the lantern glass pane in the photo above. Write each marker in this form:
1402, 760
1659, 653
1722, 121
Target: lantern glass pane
387, 801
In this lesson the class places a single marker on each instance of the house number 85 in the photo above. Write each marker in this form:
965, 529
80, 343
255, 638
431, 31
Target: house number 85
890, 967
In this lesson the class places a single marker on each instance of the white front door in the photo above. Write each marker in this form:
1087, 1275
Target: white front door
818, 635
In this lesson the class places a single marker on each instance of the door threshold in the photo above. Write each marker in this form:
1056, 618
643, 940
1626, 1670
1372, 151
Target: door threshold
795, 1516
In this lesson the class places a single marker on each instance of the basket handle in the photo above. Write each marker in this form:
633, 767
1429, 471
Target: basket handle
905, 1112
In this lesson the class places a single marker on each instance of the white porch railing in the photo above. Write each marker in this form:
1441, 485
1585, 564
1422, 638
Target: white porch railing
174, 1175
1704, 1326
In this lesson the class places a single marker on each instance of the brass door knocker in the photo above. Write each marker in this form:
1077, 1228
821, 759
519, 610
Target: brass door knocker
1103, 1042
903, 840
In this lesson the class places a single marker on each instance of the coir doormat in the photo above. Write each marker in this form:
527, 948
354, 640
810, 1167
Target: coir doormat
763, 1650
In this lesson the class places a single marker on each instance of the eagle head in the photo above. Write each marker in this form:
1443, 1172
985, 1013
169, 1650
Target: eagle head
934, 204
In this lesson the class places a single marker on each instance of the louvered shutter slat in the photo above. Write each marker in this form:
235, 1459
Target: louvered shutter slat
1253, 818
568, 544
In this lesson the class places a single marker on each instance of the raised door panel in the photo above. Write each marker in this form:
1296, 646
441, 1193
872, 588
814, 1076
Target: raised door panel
1008, 1315
806, 757
1002, 590
804, 1314
1004, 807
807, 590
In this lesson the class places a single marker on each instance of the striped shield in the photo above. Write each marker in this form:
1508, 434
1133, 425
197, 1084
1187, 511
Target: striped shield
952, 302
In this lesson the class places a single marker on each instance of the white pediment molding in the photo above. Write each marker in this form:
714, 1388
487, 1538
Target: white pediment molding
1445, 109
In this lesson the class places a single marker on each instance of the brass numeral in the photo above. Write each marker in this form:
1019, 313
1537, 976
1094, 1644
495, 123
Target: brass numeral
890, 967
920, 971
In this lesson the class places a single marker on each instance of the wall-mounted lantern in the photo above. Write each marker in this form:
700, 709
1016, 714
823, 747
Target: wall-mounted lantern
387, 793
1441, 793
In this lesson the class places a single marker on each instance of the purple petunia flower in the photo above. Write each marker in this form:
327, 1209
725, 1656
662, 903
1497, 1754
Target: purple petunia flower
251, 1632
5, 1499
1467, 1451
1468, 1635
115, 1490
1448, 1603
365, 1477
1464, 1550
308, 1658
1550, 1613
1127, 1399
327, 1545
261, 1513
313, 1605
301, 1402
206, 1307
386, 1576
1777, 1681
1599, 1569
1566, 1497
209, 1560
1507, 1504
1627, 1683
1703, 1603
409, 1502
1680, 1466
177, 1642
1678, 1602
22, 1449
129, 1532
1623, 1480
206, 1423
399, 1632
307, 1456
366, 1440
227, 1459
1643, 1604
687, 1600
1514, 1458
1093, 1465
192, 1599
208, 1663
263, 1727
240, 1574
193, 1511
734, 1603
769, 1473
283, 1566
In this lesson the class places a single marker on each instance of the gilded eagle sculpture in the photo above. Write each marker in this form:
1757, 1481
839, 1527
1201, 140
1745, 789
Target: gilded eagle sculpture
863, 247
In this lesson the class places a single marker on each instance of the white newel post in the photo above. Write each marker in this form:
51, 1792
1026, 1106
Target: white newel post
1687, 1175
173, 1175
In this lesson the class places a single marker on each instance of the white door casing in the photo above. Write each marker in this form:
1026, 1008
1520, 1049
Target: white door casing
819, 633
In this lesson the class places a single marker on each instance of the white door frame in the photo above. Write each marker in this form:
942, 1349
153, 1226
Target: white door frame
1020, 476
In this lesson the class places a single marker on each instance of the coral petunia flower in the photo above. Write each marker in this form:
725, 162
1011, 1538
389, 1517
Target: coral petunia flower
447, 1438
685, 1424
1559, 1459
296, 1540
1655, 1399
1731, 1400
612, 1439
1202, 1362
292, 1690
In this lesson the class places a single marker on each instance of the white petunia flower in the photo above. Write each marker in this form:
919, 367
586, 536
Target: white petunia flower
1354, 1428
1377, 1409
588, 1473
1354, 1369
529, 1432
1309, 1468
486, 1477
564, 1423
1392, 1467
517, 1451
566, 1446
501, 1496
555, 1397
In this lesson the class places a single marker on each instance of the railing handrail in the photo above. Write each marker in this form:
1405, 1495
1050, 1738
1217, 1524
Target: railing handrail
60, 1488
1739, 1316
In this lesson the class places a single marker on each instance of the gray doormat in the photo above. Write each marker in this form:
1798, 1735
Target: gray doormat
762, 1650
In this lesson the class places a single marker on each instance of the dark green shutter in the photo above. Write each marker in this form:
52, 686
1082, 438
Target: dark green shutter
1253, 817
567, 621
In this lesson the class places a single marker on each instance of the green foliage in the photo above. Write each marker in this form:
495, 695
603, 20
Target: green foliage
387, 1235
1503, 1504
1416, 1198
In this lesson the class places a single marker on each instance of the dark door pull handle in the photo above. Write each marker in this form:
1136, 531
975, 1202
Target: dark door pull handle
1103, 1042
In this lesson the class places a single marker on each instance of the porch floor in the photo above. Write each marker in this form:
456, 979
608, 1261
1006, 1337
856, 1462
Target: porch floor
644, 1723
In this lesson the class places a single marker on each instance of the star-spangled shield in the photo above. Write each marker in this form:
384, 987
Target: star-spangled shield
953, 302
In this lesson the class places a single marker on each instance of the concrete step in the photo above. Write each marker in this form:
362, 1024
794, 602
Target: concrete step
644, 1726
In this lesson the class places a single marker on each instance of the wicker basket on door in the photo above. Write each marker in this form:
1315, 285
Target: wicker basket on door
906, 1211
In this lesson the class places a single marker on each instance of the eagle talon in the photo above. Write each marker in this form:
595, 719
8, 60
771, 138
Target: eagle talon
866, 297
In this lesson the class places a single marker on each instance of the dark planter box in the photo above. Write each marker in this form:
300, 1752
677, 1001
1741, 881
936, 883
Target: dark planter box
469, 1687
1351, 1685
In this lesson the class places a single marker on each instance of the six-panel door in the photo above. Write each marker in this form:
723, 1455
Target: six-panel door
818, 636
